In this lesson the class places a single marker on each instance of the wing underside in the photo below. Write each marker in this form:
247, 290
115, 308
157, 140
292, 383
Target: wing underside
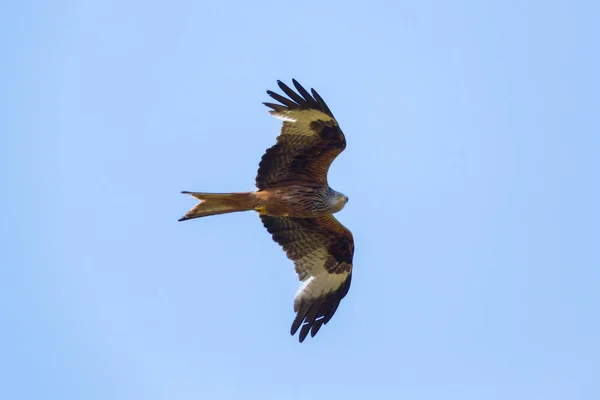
322, 251
309, 141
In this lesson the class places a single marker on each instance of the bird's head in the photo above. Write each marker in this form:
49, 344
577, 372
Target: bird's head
338, 201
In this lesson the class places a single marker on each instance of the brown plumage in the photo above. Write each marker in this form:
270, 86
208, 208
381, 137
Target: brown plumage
296, 204
321, 248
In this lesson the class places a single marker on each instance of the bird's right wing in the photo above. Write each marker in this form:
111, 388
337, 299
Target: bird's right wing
310, 140
322, 250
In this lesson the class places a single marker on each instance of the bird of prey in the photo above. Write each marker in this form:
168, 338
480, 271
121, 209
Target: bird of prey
295, 204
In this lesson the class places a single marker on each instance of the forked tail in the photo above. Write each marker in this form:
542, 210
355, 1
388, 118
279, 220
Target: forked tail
219, 203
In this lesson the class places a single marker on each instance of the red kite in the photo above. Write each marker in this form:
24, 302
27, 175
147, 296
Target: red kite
296, 204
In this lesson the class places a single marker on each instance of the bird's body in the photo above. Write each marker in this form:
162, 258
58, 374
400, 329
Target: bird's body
296, 204
299, 201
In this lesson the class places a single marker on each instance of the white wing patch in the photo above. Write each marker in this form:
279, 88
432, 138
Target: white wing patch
316, 282
322, 250
297, 122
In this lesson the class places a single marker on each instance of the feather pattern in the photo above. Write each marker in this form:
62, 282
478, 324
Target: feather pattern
296, 204
310, 140
322, 250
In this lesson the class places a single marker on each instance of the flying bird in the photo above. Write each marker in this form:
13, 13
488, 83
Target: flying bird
296, 204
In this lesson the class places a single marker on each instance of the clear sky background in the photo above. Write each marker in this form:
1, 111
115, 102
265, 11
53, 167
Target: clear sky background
472, 168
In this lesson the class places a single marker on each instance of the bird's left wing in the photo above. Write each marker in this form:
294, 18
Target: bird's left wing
322, 250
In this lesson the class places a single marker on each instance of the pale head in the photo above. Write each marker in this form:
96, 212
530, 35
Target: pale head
337, 201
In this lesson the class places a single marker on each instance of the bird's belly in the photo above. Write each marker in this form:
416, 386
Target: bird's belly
292, 202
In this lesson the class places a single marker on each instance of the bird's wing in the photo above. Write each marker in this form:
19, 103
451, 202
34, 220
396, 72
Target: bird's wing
310, 140
322, 250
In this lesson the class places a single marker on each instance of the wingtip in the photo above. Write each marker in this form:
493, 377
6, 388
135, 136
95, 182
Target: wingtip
295, 325
304, 332
285, 88
300, 337
297, 84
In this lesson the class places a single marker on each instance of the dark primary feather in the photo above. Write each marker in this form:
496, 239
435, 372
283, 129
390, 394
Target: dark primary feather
322, 103
300, 158
324, 309
276, 107
307, 242
287, 102
302, 101
291, 94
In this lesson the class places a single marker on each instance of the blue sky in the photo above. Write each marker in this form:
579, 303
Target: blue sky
472, 165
